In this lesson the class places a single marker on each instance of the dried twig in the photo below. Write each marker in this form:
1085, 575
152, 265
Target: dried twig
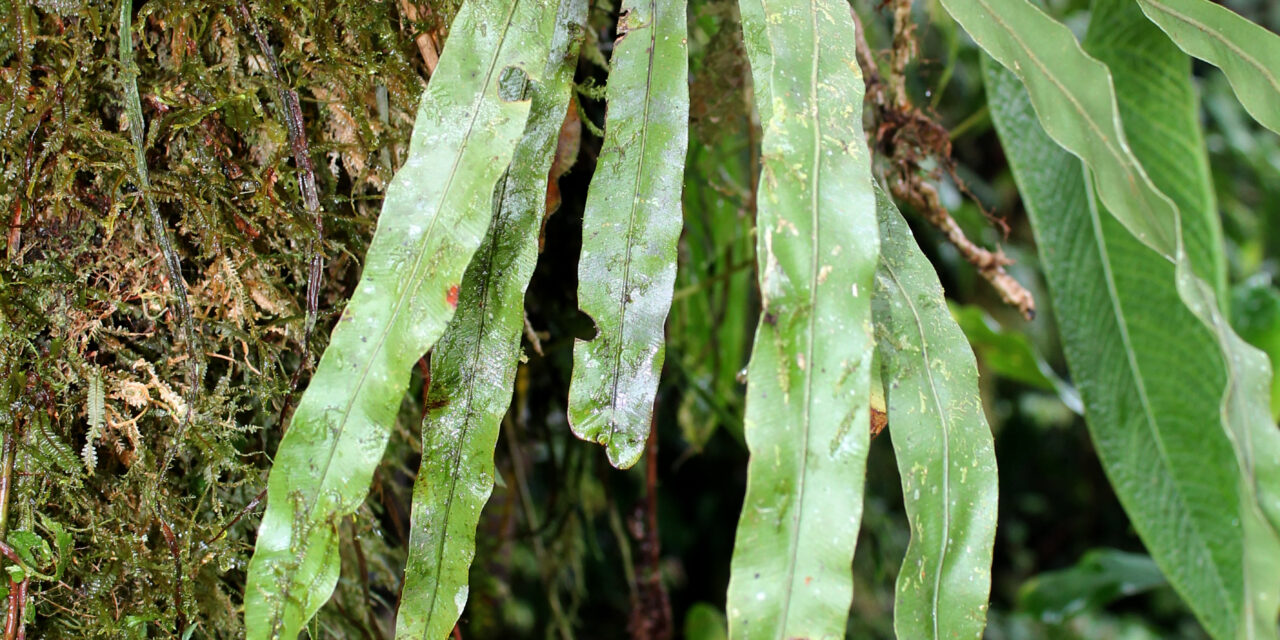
532, 335
426, 44
905, 136
924, 198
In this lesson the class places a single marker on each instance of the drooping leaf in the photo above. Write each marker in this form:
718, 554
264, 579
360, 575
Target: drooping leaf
1246, 52
1169, 393
941, 440
1156, 82
1100, 577
436, 211
807, 418
630, 229
474, 364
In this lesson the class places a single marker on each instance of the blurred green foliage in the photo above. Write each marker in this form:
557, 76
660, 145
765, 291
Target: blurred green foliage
84, 296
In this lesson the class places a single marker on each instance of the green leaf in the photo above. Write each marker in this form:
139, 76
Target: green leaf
807, 416
1167, 390
630, 229
474, 364
941, 440
1073, 98
1246, 52
33, 549
62, 540
1156, 81
436, 211
1100, 577
704, 622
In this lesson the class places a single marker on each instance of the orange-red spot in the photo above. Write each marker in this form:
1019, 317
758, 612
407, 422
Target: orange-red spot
452, 296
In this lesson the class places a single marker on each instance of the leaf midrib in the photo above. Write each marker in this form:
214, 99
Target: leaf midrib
1084, 113
1203, 28
1148, 413
468, 406
414, 275
806, 416
631, 222
944, 421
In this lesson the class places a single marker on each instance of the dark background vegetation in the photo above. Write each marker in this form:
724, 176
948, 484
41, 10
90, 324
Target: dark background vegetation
566, 543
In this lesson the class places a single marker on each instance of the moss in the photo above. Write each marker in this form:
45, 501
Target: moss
85, 296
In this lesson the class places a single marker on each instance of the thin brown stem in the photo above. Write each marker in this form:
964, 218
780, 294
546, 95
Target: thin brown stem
991, 266
172, 541
13, 614
6, 480
905, 136
247, 508
291, 113
651, 607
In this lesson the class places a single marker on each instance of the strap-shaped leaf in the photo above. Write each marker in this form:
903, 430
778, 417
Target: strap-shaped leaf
1246, 52
630, 229
436, 211
1173, 402
474, 364
807, 417
941, 440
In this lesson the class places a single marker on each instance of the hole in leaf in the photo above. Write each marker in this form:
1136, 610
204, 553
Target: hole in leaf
513, 85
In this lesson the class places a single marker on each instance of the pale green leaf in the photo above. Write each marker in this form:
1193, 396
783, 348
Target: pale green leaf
474, 364
941, 441
1246, 52
807, 417
630, 229
436, 211
1160, 401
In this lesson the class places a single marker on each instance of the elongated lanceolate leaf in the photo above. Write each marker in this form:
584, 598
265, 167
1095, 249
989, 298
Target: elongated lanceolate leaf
941, 440
630, 229
1246, 52
436, 211
807, 383
474, 364
1169, 394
